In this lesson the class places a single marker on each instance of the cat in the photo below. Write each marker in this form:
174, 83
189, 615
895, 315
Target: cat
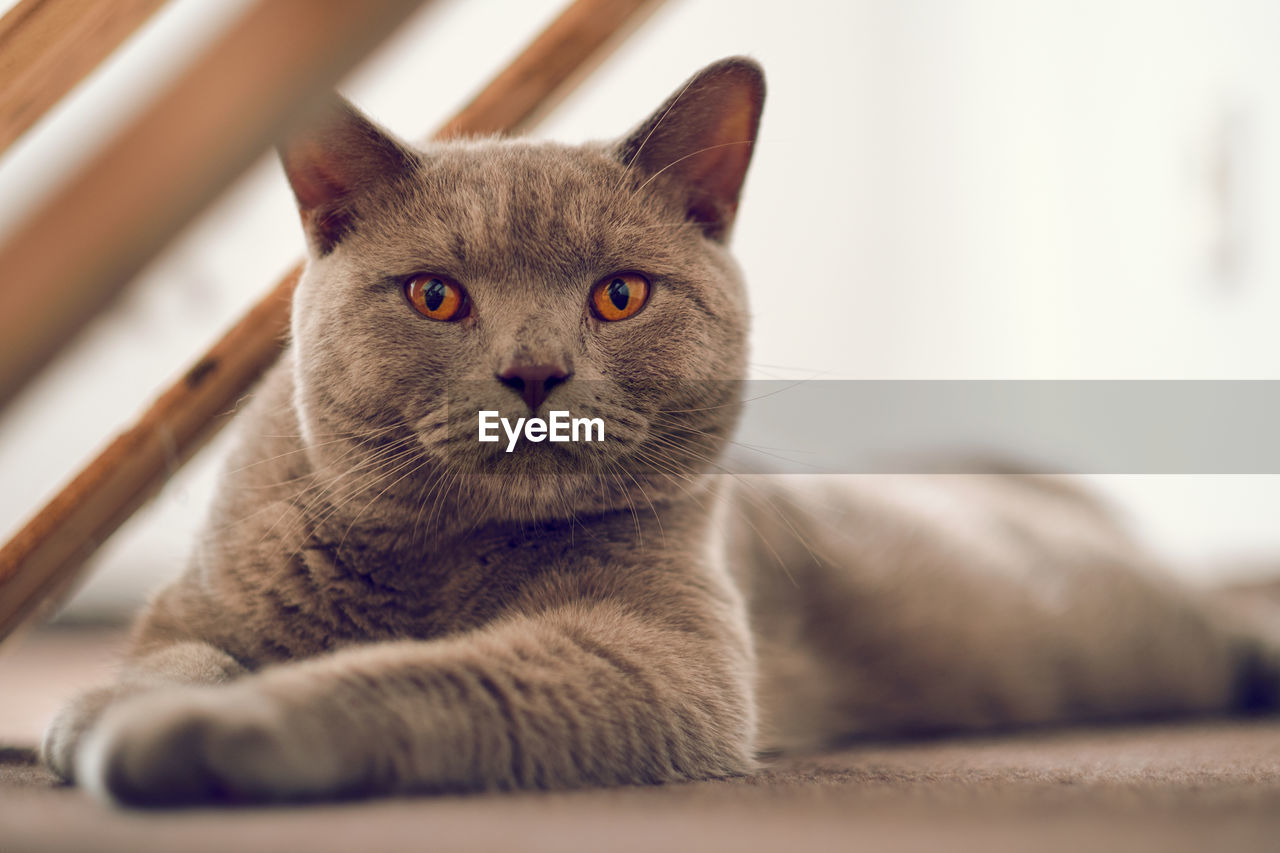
381, 603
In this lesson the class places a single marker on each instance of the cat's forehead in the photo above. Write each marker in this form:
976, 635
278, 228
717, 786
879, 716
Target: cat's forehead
520, 165
482, 207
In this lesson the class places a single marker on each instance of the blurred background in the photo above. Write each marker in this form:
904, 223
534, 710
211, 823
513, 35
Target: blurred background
943, 189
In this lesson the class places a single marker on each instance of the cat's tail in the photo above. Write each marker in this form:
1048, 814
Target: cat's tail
1251, 612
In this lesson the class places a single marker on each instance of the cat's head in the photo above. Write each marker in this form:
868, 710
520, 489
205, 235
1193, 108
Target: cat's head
521, 277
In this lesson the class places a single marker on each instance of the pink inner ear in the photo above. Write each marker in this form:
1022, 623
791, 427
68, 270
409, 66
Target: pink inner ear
720, 170
314, 176
700, 141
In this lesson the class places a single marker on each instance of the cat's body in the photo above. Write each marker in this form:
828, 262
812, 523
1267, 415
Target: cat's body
381, 603
923, 604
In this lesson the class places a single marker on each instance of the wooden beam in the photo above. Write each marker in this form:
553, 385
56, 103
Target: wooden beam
550, 67
48, 46
41, 562
62, 266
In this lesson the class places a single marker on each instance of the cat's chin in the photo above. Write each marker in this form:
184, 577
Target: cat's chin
547, 490
526, 459
543, 496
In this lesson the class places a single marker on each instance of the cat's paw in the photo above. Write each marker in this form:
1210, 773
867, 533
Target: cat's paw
63, 736
199, 745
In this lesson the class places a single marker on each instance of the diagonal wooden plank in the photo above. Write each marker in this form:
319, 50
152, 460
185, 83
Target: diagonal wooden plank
550, 67
66, 262
46, 556
48, 46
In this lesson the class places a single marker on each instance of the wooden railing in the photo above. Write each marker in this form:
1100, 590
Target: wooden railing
258, 77
48, 46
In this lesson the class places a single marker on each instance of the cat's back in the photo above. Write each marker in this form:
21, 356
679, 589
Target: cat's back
887, 604
875, 526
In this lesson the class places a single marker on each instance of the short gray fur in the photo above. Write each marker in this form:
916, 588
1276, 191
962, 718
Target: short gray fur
367, 614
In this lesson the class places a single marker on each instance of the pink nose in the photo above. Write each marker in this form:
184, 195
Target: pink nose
533, 382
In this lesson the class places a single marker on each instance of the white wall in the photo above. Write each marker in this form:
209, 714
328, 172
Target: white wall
947, 189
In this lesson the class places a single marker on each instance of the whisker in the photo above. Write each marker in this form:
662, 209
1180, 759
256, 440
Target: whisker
737, 402
341, 488
413, 466
318, 486
803, 540
774, 452
676, 478
657, 124
340, 438
656, 516
679, 160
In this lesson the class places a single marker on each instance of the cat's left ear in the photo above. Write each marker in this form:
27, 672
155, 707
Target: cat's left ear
335, 159
700, 141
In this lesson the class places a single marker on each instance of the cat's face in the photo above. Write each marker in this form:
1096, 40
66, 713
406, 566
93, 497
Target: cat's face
524, 277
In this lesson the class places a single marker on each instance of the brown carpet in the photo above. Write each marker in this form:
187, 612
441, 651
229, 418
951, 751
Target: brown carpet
1201, 786
1208, 785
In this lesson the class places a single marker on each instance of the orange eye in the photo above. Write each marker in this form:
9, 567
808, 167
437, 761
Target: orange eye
619, 296
436, 297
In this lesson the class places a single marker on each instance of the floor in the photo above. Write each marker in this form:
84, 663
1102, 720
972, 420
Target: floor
1200, 785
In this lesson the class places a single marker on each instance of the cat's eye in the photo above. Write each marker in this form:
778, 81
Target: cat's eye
436, 297
619, 296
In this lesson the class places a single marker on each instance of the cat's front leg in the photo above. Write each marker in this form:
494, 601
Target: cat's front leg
569, 699
204, 744
179, 664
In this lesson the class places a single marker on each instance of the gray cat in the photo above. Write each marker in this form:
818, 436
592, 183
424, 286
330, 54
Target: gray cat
382, 603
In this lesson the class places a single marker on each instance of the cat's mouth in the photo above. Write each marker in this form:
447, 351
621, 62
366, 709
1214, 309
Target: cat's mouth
524, 457
555, 439
537, 462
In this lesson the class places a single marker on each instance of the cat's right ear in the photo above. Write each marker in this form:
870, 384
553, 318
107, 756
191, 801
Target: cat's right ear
699, 142
334, 158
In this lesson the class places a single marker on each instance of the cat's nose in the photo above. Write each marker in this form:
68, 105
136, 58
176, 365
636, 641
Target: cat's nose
533, 382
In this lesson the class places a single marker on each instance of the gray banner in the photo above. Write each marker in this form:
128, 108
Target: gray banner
1069, 426
867, 427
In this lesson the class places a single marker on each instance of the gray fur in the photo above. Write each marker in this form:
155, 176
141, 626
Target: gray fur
382, 604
